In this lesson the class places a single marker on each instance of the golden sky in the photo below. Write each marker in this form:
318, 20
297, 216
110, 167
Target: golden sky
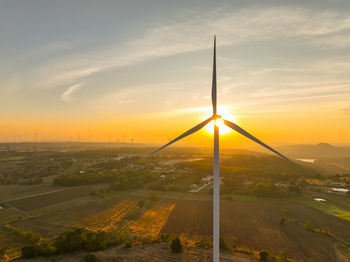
115, 71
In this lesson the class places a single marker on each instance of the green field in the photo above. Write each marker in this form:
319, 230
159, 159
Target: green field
329, 209
125, 194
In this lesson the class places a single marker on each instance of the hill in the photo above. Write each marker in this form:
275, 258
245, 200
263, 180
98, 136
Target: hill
321, 150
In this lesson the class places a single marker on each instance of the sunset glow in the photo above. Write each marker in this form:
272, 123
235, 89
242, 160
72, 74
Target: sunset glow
224, 113
132, 72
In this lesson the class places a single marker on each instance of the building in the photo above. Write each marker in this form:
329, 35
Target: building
338, 191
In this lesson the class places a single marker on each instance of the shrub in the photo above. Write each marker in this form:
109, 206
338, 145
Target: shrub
141, 203
245, 250
46, 249
91, 257
2, 252
263, 255
204, 243
164, 237
324, 231
308, 225
223, 244
282, 221
128, 244
176, 245
29, 251
33, 238
282, 257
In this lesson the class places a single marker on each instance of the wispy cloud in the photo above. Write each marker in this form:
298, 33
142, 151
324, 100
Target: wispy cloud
194, 32
67, 95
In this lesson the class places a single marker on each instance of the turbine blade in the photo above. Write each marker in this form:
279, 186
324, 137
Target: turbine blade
245, 133
213, 90
187, 133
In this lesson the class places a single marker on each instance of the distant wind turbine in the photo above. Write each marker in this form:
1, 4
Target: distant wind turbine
216, 163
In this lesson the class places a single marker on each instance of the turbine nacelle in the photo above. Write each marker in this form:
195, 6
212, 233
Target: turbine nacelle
215, 117
218, 120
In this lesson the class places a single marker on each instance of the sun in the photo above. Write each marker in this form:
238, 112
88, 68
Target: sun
223, 129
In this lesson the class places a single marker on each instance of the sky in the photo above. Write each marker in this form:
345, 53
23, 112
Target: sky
114, 70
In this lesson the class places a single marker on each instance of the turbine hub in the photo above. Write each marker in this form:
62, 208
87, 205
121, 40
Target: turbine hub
216, 117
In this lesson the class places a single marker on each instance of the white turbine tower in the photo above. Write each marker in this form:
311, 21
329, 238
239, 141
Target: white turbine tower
216, 162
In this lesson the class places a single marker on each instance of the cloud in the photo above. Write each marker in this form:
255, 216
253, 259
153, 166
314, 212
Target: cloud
67, 95
239, 26
68, 76
346, 110
194, 31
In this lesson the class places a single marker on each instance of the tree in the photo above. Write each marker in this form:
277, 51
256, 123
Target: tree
46, 249
267, 189
153, 197
29, 251
263, 255
70, 240
2, 252
141, 203
176, 245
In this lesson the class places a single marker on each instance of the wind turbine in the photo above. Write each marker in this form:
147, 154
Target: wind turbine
216, 163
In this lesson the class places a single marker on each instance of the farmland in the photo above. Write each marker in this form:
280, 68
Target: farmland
152, 221
106, 220
146, 202
257, 225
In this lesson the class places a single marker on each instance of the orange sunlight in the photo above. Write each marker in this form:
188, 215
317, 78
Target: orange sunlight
224, 113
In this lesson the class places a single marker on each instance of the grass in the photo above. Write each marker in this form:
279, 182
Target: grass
10, 214
14, 191
240, 198
329, 209
12, 158
343, 250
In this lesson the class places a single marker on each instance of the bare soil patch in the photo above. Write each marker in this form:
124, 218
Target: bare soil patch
48, 199
257, 225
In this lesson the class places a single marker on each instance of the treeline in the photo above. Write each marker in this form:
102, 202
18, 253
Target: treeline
120, 180
132, 179
268, 190
6, 180
250, 166
82, 179
73, 240
264, 188
26, 235
272, 167
28, 168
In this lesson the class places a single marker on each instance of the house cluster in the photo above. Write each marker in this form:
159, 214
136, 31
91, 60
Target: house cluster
338, 191
206, 181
